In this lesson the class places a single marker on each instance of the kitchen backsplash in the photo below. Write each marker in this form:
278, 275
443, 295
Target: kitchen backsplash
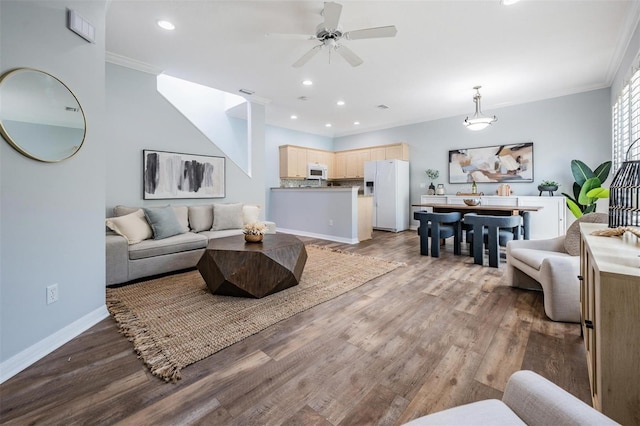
296, 183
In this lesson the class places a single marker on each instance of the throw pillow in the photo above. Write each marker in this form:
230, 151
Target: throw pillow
182, 214
250, 213
163, 221
201, 218
227, 216
122, 210
133, 226
572, 237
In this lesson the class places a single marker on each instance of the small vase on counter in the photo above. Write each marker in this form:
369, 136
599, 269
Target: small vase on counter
440, 189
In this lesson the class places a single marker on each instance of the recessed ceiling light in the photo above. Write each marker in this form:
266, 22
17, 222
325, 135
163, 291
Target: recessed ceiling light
166, 25
509, 2
307, 82
382, 106
327, 125
357, 123
294, 117
340, 103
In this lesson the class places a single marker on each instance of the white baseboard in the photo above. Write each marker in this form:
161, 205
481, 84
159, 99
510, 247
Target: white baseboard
24, 359
320, 236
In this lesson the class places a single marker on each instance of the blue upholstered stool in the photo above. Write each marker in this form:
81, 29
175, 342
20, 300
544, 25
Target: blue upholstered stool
492, 235
437, 226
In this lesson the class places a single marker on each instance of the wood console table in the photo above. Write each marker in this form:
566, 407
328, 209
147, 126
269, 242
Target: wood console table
610, 310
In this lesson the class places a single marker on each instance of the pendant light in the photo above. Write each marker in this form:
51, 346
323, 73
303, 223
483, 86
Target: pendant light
478, 121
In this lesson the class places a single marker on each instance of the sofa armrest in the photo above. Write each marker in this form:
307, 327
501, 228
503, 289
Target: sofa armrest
552, 244
537, 401
117, 262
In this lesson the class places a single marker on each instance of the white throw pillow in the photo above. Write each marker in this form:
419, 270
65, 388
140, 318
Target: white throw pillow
133, 226
201, 217
182, 214
250, 213
227, 216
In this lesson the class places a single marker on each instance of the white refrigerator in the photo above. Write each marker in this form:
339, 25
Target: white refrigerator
388, 182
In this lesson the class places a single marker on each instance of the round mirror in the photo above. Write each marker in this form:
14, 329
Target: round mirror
40, 116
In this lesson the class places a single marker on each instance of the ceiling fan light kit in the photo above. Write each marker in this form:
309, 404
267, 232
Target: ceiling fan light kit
479, 121
330, 35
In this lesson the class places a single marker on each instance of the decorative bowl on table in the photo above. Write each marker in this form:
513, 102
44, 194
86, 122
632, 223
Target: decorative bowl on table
471, 201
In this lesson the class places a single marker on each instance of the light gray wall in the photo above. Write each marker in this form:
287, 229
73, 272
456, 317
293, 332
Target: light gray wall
141, 119
570, 127
52, 215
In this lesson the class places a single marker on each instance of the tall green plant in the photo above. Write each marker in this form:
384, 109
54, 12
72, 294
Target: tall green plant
587, 188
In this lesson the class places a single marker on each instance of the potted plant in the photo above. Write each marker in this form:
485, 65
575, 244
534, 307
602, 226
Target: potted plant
548, 185
254, 232
587, 188
433, 175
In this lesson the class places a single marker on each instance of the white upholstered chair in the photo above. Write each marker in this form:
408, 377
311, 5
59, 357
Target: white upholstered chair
552, 266
528, 399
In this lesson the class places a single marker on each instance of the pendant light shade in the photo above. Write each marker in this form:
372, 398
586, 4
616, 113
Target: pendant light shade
479, 121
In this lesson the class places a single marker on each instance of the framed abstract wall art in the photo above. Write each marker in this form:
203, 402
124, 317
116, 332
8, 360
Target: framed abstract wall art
168, 175
499, 163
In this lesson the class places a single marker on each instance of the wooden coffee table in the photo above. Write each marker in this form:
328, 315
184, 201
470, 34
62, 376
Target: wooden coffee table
232, 267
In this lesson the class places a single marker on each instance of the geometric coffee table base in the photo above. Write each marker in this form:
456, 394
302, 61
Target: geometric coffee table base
232, 267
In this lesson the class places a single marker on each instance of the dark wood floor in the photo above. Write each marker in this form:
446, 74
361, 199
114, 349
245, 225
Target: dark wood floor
431, 335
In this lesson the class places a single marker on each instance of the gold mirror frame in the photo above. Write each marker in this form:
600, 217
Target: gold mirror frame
40, 116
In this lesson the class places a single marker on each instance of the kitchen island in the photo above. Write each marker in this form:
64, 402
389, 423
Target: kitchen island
329, 213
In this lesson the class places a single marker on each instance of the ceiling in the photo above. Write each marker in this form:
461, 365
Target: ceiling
532, 50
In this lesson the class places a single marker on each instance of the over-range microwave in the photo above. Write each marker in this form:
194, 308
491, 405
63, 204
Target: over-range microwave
316, 171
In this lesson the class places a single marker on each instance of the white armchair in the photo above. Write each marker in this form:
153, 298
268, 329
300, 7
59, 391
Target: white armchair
528, 399
552, 266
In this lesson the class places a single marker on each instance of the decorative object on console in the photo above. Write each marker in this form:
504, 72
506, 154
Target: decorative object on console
499, 163
169, 175
548, 186
479, 121
472, 201
433, 175
624, 208
440, 189
587, 188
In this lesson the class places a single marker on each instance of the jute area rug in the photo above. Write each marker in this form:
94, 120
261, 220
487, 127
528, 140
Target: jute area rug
175, 321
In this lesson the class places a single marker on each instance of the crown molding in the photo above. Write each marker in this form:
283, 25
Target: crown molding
124, 61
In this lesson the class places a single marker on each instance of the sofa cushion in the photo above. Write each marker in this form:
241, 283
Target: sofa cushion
250, 213
132, 226
176, 244
533, 257
201, 217
220, 234
163, 221
227, 216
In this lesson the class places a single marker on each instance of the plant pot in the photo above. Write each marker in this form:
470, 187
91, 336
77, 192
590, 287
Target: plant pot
251, 238
547, 188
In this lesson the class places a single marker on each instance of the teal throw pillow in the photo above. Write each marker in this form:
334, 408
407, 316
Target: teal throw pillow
163, 222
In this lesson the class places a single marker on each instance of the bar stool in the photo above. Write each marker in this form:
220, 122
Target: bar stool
489, 227
437, 226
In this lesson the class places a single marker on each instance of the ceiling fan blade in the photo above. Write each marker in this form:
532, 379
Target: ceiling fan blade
291, 36
307, 56
377, 32
348, 55
331, 14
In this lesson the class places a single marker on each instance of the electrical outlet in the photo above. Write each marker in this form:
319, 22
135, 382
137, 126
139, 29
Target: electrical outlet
330, 222
423, 185
52, 293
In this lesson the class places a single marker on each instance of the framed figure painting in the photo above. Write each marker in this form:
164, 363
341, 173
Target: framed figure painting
170, 175
499, 163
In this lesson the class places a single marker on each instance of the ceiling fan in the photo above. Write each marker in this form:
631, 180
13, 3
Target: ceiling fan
330, 35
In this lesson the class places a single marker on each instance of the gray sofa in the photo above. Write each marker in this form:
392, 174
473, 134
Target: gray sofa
133, 253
